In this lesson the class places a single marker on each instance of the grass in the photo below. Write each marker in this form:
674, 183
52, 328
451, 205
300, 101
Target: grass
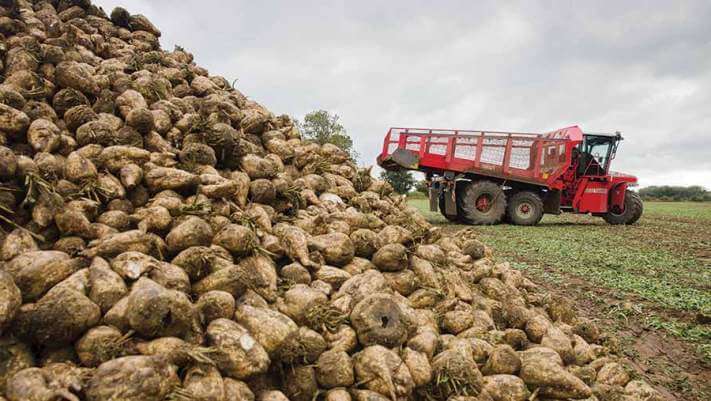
662, 264
692, 210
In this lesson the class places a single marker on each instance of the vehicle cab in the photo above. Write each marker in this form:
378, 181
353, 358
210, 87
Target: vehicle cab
596, 152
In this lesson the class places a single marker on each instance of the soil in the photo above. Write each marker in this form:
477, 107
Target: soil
673, 366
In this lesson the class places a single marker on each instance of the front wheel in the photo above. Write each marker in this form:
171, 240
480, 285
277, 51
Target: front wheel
525, 208
631, 213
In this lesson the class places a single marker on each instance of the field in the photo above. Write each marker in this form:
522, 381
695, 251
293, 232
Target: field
650, 282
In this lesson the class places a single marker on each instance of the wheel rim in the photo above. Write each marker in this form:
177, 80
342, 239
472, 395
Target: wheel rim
484, 203
524, 210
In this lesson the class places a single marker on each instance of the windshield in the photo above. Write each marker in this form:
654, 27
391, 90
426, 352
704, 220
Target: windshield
600, 151
596, 154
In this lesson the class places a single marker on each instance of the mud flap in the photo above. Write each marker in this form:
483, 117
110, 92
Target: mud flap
450, 203
617, 197
435, 190
438, 189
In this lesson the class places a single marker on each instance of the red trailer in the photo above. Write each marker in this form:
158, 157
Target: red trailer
484, 177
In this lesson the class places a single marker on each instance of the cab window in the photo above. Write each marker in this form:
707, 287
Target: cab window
594, 155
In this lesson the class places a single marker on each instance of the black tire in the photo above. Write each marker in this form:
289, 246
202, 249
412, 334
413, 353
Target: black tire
506, 219
632, 213
639, 207
481, 202
442, 209
525, 208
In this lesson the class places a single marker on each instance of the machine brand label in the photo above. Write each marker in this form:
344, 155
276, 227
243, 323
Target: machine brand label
595, 190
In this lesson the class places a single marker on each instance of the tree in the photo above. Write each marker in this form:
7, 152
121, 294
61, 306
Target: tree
323, 127
402, 181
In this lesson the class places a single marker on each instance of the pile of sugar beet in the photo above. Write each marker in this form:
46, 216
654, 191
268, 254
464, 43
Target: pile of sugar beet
166, 238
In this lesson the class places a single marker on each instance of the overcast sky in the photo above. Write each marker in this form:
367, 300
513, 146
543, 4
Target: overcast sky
639, 67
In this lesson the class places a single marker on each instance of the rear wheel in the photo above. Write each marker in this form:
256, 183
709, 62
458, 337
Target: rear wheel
631, 213
481, 202
525, 208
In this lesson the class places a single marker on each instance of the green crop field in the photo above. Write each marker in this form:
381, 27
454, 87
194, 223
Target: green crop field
651, 282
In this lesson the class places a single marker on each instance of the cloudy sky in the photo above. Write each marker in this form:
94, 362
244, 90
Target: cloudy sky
639, 67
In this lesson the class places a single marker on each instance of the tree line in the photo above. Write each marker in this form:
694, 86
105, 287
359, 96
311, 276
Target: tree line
694, 193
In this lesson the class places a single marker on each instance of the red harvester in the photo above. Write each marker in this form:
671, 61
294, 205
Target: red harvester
484, 177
